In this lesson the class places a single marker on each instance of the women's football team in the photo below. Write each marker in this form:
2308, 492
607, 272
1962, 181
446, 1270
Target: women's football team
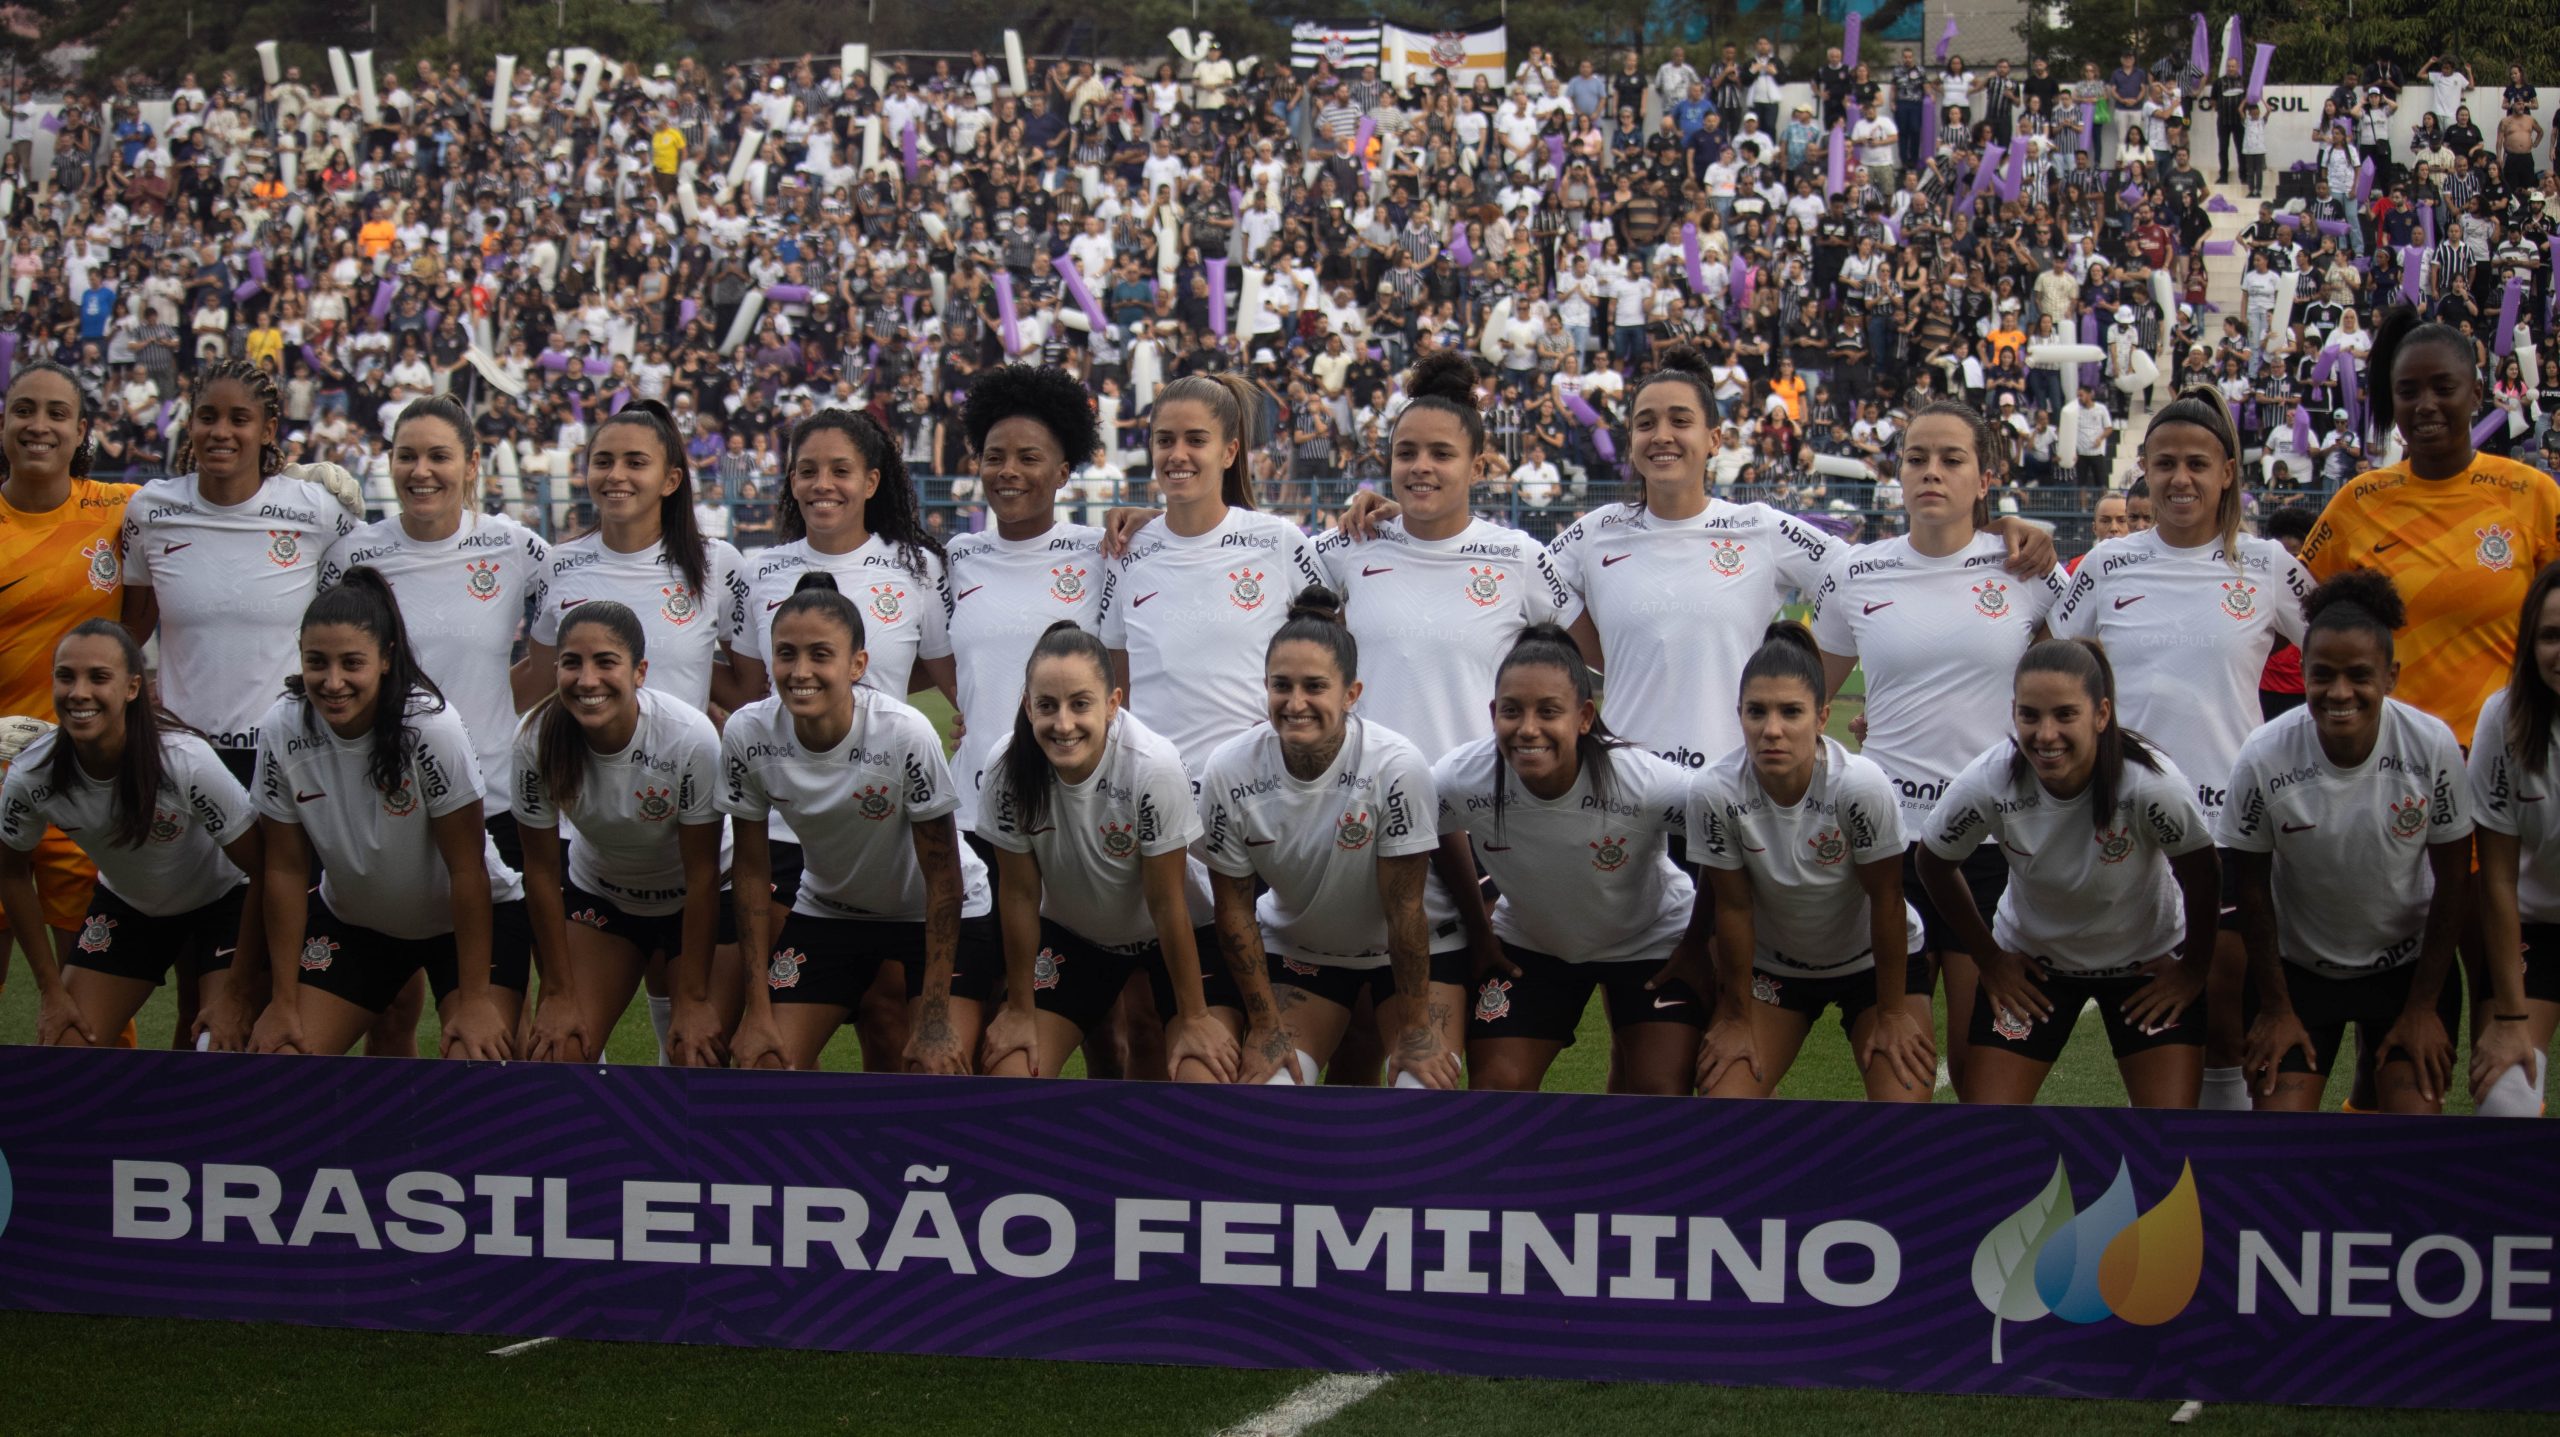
1279, 802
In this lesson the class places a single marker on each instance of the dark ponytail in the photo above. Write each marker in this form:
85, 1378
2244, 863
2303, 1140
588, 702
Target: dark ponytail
1444, 382
1787, 651
816, 592
2531, 705
680, 535
2399, 330
1549, 646
560, 747
81, 449
135, 794
361, 599
2366, 601
2086, 660
1028, 774
1315, 617
892, 511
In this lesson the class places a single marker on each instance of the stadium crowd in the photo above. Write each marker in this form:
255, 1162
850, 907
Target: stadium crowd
570, 359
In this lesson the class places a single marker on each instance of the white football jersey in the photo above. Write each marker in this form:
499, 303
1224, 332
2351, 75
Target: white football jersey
379, 863
1004, 595
2086, 897
1135, 804
2352, 882
906, 615
1680, 605
630, 804
463, 599
1939, 641
1434, 618
1196, 615
1809, 910
856, 863
181, 867
2506, 798
685, 629
1584, 878
1317, 842
2188, 635
232, 584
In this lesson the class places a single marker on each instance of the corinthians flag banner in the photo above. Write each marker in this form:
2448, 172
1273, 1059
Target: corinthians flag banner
2097, 1252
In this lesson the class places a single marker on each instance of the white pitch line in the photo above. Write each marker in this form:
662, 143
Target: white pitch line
516, 1349
1309, 1405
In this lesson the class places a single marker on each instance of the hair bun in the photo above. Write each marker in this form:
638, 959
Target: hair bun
2370, 590
816, 579
1443, 374
1789, 631
1315, 601
1685, 358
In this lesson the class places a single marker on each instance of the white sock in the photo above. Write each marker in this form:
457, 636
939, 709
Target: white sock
2225, 1091
662, 1016
2516, 1094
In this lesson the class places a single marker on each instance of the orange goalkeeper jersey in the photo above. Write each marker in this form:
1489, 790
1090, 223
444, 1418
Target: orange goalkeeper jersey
57, 570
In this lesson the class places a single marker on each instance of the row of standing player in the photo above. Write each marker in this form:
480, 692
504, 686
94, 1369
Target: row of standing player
1208, 547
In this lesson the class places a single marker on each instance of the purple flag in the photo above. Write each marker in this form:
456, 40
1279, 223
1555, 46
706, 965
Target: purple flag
1849, 38
258, 265
2412, 274
1218, 297
907, 149
8, 356
245, 291
2230, 41
1928, 125
2507, 308
2090, 374
2364, 180
2088, 128
1689, 259
1581, 410
2488, 427
383, 294
786, 294
1082, 294
1946, 39
2199, 49
1010, 324
2220, 206
686, 309
2301, 430
1462, 253
2258, 73
1838, 178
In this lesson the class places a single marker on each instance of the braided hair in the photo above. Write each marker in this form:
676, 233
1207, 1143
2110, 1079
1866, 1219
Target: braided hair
262, 387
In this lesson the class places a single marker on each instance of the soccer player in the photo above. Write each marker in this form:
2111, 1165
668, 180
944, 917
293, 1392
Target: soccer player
2511, 784
364, 766
2353, 832
1938, 624
1801, 845
2189, 611
650, 556
170, 830
1437, 596
1335, 814
1030, 428
466, 582
2112, 893
58, 544
1574, 824
2459, 533
1091, 813
636, 772
887, 879
1189, 610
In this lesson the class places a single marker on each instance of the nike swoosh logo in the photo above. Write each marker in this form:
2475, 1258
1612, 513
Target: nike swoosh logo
1142, 598
1607, 559
1260, 842
2382, 544
2520, 798
1368, 573
224, 952
1887, 604
964, 593
300, 797
167, 549
772, 604
2132, 599
1671, 1002
571, 603
2300, 827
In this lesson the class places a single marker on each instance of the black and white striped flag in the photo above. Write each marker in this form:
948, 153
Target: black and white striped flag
1349, 44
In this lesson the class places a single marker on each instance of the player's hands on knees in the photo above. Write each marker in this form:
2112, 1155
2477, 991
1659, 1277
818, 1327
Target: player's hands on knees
2009, 981
1730, 1048
1898, 1039
1010, 1033
1419, 1051
2277, 1032
279, 1028
2158, 1005
476, 1033
1205, 1041
2419, 1037
758, 1045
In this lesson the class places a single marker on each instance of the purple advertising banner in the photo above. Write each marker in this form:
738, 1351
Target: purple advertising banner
2089, 1252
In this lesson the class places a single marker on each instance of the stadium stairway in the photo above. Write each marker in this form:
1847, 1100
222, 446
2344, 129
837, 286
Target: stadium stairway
2222, 290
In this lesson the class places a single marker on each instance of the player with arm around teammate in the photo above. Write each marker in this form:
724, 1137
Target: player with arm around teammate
2113, 890
2352, 825
1336, 815
2511, 782
637, 772
173, 838
1800, 842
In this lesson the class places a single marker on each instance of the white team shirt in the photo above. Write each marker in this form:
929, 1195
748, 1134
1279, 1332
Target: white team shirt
1939, 640
1135, 804
181, 867
2085, 899
1584, 879
379, 864
2352, 882
2188, 636
857, 864
631, 804
684, 629
1195, 615
1317, 842
1809, 910
1004, 593
2505, 798
1680, 605
232, 583
1434, 617
463, 599
905, 615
